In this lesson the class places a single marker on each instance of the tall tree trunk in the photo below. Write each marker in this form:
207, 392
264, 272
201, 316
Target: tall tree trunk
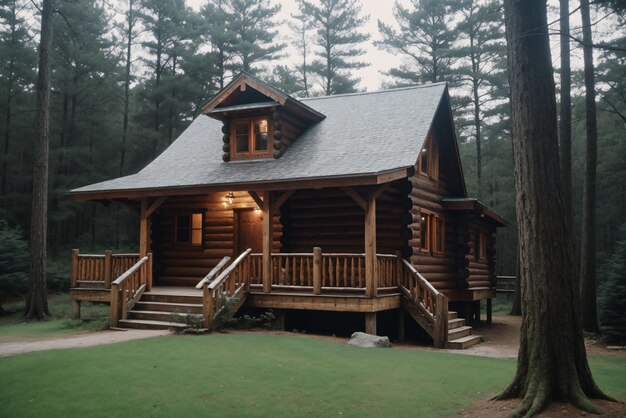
588, 239
565, 121
552, 363
37, 299
130, 20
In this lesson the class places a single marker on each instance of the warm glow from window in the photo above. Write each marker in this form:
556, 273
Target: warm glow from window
189, 229
250, 138
428, 164
482, 246
432, 233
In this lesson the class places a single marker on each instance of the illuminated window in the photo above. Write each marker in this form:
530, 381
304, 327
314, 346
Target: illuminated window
189, 229
250, 138
425, 231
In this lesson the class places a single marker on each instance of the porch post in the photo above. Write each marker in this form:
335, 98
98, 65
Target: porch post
370, 323
144, 226
371, 277
267, 242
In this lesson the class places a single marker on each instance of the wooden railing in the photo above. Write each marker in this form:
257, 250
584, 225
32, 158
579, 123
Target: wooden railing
213, 273
229, 287
431, 304
99, 269
334, 271
128, 288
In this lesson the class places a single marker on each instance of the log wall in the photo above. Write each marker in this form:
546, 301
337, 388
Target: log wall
482, 271
178, 264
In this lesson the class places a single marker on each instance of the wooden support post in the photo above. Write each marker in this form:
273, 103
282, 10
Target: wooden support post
370, 323
317, 270
144, 227
267, 242
149, 272
401, 325
75, 309
489, 311
74, 271
441, 321
207, 306
371, 276
398, 268
107, 269
115, 309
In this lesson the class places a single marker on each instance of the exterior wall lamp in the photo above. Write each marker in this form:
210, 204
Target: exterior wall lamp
230, 197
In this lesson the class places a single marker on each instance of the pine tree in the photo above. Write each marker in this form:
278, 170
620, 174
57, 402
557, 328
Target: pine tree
337, 37
481, 70
13, 263
254, 25
218, 34
426, 34
16, 76
283, 79
612, 301
301, 25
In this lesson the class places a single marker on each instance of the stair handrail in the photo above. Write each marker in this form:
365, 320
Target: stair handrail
214, 271
226, 282
128, 288
432, 304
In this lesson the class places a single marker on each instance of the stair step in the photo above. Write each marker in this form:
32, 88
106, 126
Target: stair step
168, 307
173, 317
452, 315
148, 324
161, 297
459, 332
455, 323
464, 342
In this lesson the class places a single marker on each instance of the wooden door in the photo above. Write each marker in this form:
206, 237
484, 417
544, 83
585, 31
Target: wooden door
249, 231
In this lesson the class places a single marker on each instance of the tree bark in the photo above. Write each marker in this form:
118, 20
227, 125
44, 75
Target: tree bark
565, 121
552, 362
37, 300
588, 239
9, 98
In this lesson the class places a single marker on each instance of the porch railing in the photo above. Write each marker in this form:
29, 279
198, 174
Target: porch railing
226, 289
431, 304
128, 288
324, 271
99, 269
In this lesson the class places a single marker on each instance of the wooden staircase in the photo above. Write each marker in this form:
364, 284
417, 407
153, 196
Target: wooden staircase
164, 310
460, 335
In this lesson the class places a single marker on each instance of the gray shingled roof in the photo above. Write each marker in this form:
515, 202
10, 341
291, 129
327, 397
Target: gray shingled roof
363, 134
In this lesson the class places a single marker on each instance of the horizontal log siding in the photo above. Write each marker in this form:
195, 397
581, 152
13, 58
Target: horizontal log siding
482, 274
330, 219
439, 269
186, 265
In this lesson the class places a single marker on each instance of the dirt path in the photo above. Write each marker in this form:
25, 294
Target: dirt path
82, 340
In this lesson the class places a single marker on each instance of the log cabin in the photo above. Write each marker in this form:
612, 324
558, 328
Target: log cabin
346, 203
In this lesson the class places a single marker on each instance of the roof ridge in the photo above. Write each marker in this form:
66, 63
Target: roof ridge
363, 93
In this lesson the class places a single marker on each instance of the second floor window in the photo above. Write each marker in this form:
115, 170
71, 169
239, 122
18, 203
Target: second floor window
432, 233
428, 163
250, 138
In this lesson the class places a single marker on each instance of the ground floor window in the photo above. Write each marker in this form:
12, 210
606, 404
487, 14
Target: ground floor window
482, 245
432, 233
189, 228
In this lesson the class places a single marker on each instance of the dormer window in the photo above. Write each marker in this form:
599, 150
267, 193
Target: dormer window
250, 138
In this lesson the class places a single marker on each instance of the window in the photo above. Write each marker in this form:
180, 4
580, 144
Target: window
189, 229
428, 164
482, 245
432, 233
250, 138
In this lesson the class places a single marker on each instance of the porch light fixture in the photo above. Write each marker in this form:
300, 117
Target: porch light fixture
230, 197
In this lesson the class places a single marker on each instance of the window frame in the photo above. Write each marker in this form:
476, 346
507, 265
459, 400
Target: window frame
431, 233
431, 149
189, 243
481, 250
252, 152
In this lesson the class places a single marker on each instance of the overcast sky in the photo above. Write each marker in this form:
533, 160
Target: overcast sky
381, 61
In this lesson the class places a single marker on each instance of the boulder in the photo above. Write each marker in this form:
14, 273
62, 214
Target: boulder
361, 339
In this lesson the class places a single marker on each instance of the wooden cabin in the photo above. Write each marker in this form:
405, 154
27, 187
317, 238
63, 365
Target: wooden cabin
346, 203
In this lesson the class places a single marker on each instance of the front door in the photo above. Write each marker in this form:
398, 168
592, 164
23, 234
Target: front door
249, 231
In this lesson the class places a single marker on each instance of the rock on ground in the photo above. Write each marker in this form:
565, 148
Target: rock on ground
361, 339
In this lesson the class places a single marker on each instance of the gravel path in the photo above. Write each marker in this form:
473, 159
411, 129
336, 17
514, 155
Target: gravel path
82, 340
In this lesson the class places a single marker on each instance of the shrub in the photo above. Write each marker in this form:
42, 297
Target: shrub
612, 300
13, 262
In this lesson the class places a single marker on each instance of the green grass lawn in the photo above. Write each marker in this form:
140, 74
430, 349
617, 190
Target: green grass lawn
255, 374
15, 327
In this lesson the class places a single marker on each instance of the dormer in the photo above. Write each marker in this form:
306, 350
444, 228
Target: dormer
259, 120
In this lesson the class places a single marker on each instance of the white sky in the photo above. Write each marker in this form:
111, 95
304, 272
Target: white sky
381, 61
